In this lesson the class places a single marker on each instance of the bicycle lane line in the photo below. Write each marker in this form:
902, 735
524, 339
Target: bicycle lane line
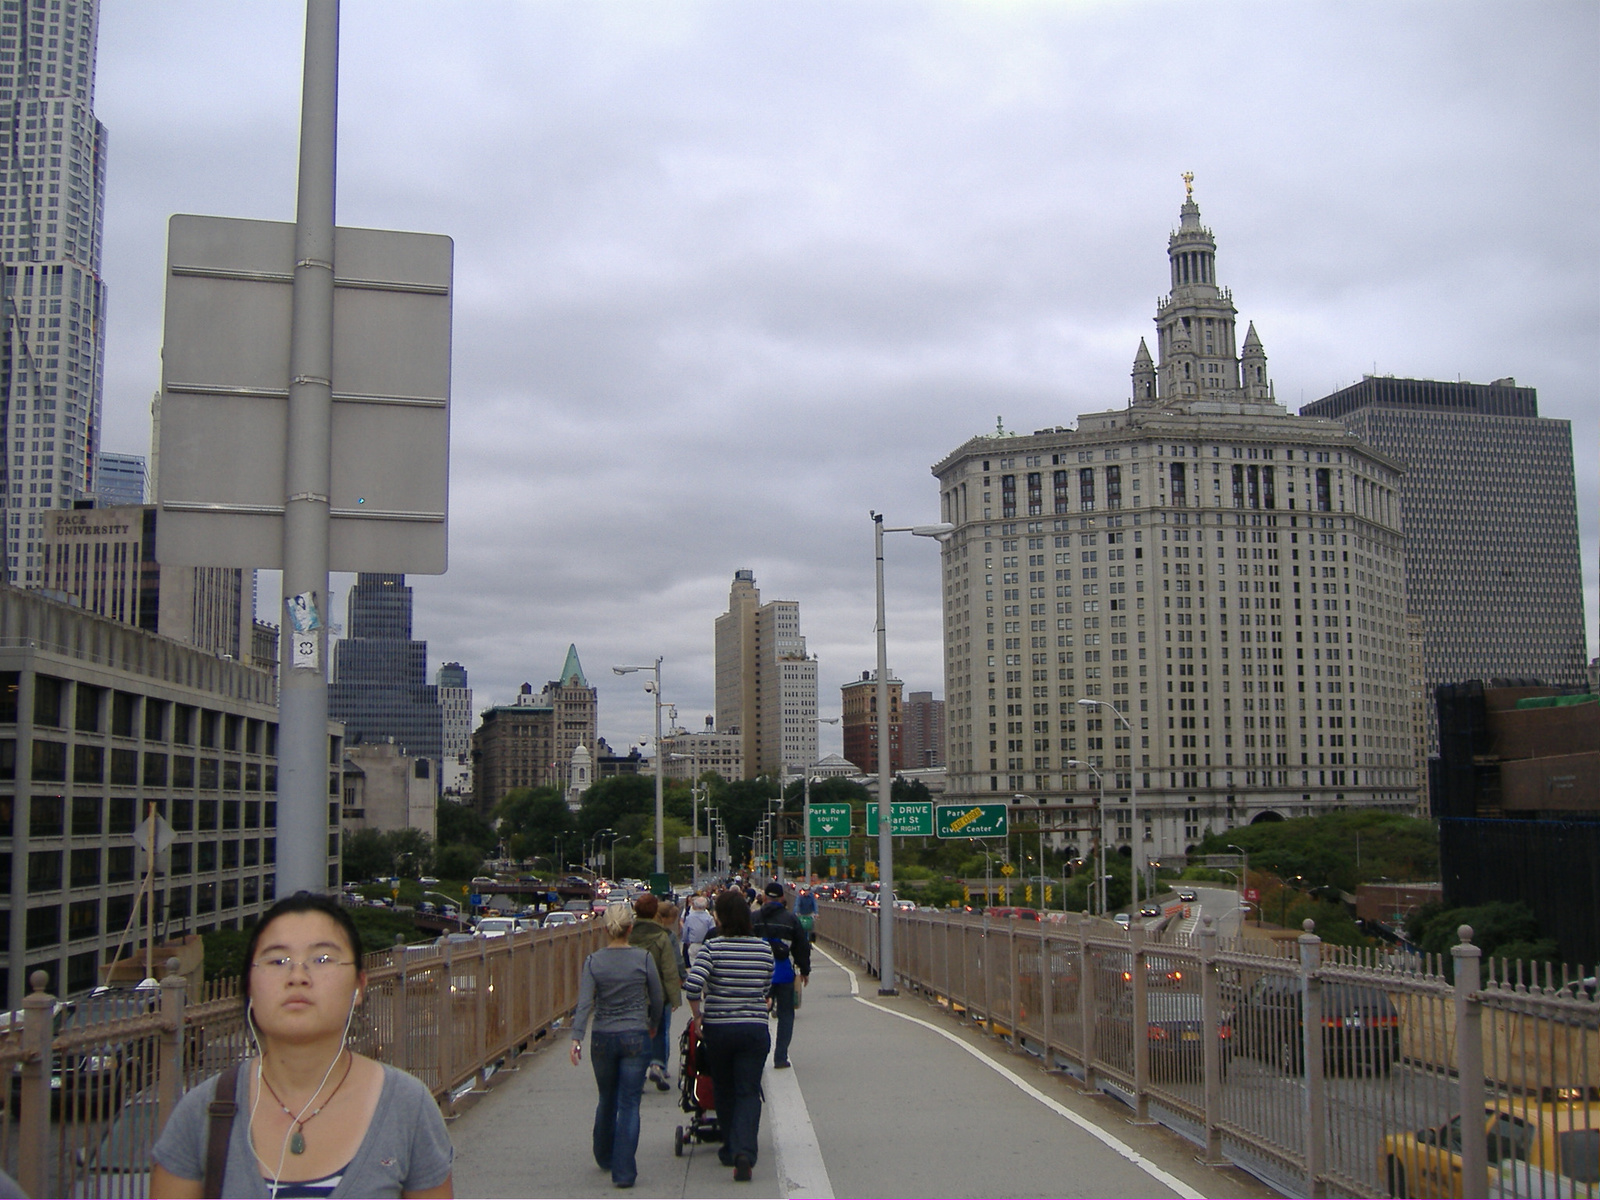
1110, 1141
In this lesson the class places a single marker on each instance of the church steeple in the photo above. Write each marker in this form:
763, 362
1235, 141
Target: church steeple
1197, 357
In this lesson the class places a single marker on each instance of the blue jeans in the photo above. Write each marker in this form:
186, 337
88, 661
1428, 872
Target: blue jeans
619, 1061
658, 1048
783, 1004
736, 1055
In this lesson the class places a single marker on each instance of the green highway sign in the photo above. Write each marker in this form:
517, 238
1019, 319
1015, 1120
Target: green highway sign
833, 846
830, 820
971, 820
911, 818
791, 847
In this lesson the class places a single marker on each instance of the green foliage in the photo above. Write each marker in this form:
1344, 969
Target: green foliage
909, 790
378, 927
1322, 850
224, 952
1335, 924
611, 802
460, 825
531, 819
1502, 929
370, 853
458, 861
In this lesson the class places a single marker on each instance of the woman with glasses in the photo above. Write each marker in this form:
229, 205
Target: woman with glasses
313, 1117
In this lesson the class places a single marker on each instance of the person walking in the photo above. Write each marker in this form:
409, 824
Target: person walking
650, 934
727, 990
805, 909
791, 964
311, 1115
621, 988
697, 927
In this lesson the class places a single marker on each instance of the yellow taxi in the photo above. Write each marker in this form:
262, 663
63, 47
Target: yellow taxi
1546, 1146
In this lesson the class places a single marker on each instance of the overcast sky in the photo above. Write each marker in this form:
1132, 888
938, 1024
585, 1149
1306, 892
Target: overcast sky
729, 275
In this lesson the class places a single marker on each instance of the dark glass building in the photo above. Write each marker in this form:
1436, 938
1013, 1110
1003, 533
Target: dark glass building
380, 689
1489, 504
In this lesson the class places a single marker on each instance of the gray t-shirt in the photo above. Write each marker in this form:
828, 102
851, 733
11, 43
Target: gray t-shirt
406, 1148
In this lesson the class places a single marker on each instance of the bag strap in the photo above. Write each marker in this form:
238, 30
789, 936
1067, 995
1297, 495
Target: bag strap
224, 1105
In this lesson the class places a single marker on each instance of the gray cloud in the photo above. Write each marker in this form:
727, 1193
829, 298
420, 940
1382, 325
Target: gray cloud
729, 275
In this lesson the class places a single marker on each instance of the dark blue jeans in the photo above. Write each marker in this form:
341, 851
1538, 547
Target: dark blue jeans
783, 1004
736, 1054
619, 1061
658, 1048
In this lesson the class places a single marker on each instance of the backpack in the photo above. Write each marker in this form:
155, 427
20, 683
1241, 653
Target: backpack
782, 968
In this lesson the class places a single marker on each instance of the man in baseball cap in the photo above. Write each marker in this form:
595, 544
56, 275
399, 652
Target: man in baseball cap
791, 963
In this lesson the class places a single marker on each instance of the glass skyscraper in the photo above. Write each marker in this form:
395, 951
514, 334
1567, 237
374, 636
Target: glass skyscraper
380, 673
53, 341
1493, 566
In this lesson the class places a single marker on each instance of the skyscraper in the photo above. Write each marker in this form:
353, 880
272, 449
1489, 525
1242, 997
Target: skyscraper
53, 341
922, 718
766, 683
119, 479
455, 713
1226, 575
380, 689
859, 723
1493, 565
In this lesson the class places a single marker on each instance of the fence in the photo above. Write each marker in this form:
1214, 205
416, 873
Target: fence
91, 1082
1322, 1069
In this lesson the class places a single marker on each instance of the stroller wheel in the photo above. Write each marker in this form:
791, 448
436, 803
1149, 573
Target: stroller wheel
677, 1142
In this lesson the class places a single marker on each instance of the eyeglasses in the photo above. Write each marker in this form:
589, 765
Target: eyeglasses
321, 964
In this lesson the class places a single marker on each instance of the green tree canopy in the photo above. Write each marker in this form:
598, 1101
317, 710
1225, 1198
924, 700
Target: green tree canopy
459, 824
1341, 849
531, 819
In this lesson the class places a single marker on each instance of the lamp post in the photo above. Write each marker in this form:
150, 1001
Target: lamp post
1244, 877
661, 821
617, 837
1099, 827
595, 837
885, 832
1133, 796
805, 817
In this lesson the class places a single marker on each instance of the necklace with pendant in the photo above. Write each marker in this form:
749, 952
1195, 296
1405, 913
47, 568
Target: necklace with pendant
297, 1140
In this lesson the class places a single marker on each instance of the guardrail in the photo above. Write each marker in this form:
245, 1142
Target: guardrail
90, 1083
1321, 1069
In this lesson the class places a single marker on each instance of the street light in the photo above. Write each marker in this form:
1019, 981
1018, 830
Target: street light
595, 837
805, 808
1099, 826
1133, 796
661, 820
1244, 878
885, 825
616, 837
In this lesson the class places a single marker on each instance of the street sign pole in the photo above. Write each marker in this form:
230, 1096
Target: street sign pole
885, 778
303, 680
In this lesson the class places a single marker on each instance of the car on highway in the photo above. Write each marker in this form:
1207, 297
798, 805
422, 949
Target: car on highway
1360, 1026
427, 881
1021, 914
1123, 919
496, 926
1174, 1028
560, 917
1188, 895
1534, 1147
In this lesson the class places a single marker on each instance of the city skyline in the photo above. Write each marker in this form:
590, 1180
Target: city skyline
926, 220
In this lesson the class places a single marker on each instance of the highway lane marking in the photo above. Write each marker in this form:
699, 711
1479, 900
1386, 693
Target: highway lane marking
801, 1169
1110, 1141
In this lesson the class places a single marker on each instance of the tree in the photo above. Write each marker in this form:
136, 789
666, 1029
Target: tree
610, 802
362, 854
457, 861
370, 853
908, 790
461, 825
532, 818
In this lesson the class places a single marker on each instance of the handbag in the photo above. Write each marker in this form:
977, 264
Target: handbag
219, 1130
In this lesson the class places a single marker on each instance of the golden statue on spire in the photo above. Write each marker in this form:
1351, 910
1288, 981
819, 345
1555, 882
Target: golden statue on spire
1188, 185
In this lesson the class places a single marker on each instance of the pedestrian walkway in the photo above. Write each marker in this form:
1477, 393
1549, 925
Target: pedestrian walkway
888, 1096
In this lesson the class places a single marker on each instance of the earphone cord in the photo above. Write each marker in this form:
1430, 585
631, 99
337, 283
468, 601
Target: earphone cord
283, 1151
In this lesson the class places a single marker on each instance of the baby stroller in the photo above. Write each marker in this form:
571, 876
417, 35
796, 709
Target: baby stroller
695, 1094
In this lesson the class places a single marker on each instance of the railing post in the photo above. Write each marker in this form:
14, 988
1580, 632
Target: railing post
1469, 1062
1311, 1023
169, 1067
1047, 998
481, 997
1086, 1006
1139, 1023
1011, 990
1210, 1028
33, 1129
399, 1015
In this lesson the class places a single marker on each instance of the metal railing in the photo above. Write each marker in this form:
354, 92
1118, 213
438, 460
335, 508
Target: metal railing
1322, 1069
89, 1084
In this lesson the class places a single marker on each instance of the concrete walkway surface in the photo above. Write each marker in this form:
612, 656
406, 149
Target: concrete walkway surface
888, 1096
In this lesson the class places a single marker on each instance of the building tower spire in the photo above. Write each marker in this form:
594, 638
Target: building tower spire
1197, 358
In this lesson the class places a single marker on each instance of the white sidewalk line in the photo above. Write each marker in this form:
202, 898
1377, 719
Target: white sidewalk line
1109, 1140
801, 1170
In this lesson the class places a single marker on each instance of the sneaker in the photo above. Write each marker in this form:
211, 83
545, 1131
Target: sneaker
741, 1169
780, 1065
658, 1075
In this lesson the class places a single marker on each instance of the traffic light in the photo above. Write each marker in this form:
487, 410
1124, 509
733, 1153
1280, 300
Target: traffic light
1027, 893
1049, 893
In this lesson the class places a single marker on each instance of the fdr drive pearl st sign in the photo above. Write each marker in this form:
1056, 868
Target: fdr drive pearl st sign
222, 415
